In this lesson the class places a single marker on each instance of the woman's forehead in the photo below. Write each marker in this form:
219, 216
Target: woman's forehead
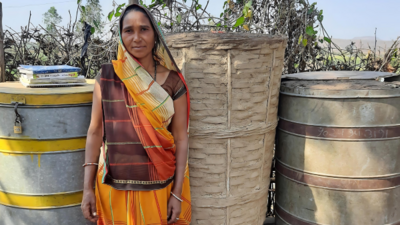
135, 18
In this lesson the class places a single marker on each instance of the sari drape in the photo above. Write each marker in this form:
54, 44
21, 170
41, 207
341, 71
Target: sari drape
150, 109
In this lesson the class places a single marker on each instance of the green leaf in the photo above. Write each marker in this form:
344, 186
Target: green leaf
219, 24
198, 7
209, 19
117, 14
245, 10
296, 65
119, 8
328, 40
110, 15
226, 2
321, 12
83, 9
96, 24
165, 4
310, 31
239, 22
166, 14
179, 18
221, 15
92, 30
321, 40
320, 18
305, 41
159, 23
79, 2
249, 4
300, 39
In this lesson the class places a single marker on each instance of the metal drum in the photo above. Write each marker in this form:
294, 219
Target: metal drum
338, 152
41, 175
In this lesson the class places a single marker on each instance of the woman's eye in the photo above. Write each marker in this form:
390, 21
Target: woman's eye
143, 29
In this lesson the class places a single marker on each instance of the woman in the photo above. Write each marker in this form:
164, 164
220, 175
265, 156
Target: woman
143, 102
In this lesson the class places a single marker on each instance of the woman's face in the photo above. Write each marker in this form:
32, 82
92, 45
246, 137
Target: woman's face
137, 34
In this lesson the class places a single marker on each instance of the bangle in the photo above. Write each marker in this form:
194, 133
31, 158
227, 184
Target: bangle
176, 197
90, 164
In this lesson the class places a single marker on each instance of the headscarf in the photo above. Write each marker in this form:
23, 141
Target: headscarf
127, 67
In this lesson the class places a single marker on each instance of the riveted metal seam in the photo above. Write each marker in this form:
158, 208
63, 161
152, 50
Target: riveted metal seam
338, 139
50, 99
59, 200
340, 97
310, 179
354, 133
45, 106
331, 126
29, 146
337, 176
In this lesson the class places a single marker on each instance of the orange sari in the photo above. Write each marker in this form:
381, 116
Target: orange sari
116, 207
126, 207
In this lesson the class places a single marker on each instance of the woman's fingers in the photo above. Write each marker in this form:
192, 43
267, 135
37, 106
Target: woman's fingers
88, 206
93, 212
86, 211
169, 213
174, 216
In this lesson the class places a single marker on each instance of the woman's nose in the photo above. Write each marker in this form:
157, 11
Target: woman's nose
136, 37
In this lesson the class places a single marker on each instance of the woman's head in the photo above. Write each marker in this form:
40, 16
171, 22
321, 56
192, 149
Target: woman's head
138, 33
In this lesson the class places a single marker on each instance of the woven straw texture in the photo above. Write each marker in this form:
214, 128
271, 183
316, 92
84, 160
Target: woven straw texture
234, 82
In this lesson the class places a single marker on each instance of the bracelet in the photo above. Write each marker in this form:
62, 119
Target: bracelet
176, 197
90, 164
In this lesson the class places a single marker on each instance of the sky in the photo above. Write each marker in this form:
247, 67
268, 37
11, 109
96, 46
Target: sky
345, 19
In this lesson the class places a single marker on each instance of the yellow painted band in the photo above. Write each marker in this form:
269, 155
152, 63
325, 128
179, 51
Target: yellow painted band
51, 99
29, 146
41, 201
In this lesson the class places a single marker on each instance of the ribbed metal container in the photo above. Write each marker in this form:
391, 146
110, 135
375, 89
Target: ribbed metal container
338, 153
41, 175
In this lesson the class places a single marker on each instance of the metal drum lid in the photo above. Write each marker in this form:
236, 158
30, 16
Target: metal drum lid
341, 88
13, 92
340, 75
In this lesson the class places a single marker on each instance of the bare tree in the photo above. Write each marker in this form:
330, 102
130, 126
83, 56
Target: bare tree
310, 47
2, 61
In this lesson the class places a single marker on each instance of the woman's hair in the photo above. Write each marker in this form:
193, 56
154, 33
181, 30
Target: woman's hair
135, 8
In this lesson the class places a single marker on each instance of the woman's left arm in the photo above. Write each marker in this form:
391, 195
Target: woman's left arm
179, 131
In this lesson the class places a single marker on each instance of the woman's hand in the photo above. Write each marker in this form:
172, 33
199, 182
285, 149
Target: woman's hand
93, 143
174, 210
89, 206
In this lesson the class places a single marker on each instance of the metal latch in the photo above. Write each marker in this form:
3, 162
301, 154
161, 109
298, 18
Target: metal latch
18, 99
18, 120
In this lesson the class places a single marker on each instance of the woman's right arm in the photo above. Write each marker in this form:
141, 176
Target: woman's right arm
93, 144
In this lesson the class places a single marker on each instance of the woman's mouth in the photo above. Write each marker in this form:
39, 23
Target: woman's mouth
138, 47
